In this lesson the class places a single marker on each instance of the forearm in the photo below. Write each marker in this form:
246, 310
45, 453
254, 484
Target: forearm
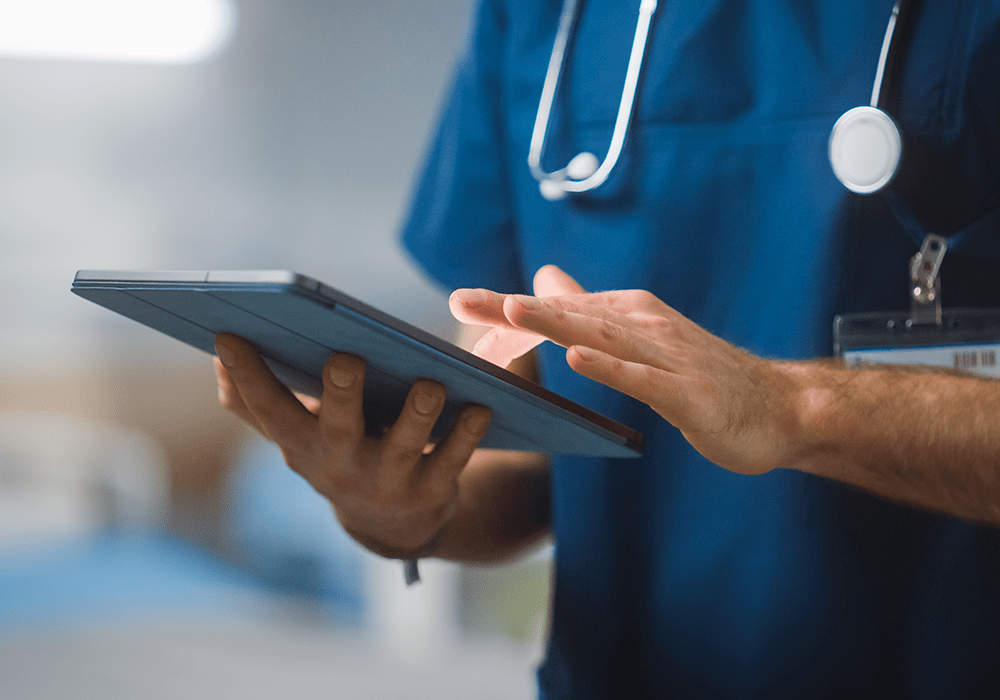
503, 508
926, 438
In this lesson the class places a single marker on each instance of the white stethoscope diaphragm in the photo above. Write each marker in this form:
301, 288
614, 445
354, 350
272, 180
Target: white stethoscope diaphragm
865, 145
865, 148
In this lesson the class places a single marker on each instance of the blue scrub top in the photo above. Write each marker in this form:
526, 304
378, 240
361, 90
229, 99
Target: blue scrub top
675, 577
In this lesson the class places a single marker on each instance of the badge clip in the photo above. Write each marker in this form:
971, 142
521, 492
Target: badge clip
925, 287
965, 339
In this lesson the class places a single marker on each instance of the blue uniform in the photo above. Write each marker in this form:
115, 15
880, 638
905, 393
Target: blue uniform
675, 578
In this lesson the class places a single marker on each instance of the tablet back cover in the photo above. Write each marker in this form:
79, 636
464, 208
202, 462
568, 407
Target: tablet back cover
297, 323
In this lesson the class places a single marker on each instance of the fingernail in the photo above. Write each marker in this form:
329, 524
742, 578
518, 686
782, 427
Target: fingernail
586, 354
341, 378
425, 402
474, 297
530, 303
477, 422
226, 354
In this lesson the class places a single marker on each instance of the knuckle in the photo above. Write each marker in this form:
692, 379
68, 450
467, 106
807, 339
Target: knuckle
609, 332
338, 484
337, 435
269, 413
401, 455
406, 455
558, 307
658, 324
646, 299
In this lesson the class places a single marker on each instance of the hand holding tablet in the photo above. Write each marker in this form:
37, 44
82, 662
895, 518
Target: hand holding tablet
297, 323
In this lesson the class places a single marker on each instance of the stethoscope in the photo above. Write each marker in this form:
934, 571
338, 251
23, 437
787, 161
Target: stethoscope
864, 148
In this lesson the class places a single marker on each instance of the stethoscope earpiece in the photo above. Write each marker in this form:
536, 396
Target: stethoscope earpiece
865, 148
552, 190
583, 166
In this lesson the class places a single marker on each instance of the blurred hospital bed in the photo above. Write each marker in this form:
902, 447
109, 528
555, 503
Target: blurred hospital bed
100, 599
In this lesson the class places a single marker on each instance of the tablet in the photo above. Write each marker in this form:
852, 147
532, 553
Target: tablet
297, 323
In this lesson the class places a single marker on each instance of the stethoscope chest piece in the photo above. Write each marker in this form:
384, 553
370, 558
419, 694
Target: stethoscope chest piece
865, 147
865, 144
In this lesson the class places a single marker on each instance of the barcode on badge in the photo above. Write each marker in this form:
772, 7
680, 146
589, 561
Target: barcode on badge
970, 361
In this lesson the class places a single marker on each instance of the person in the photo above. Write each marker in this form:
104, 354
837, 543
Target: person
850, 547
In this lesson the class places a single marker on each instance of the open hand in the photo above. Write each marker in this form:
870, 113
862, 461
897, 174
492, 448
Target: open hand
732, 406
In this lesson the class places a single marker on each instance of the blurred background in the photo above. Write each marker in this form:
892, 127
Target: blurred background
150, 546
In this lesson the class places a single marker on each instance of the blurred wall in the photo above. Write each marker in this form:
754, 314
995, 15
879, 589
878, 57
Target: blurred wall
292, 148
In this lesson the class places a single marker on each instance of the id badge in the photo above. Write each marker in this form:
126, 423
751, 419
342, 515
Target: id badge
962, 339
967, 339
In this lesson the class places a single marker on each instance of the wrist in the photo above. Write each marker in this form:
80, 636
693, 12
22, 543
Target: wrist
398, 540
810, 412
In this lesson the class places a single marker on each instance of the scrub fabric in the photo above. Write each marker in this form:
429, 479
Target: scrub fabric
675, 578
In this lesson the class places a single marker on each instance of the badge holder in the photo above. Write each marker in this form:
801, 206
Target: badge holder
962, 339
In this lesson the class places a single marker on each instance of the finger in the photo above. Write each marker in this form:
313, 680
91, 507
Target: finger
592, 326
272, 405
550, 281
341, 416
501, 346
503, 343
229, 397
451, 455
479, 307
635, 303
662, 390
484, 307
403, 445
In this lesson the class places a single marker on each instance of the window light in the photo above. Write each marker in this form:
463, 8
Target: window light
143, 31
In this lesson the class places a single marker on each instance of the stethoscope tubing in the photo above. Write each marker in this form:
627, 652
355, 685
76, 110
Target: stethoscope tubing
884, 53
854, 167
552, 78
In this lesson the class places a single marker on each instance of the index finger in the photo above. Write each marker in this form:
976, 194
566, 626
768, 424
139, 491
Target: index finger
272, 405
568, 322
478, 307
483, 307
